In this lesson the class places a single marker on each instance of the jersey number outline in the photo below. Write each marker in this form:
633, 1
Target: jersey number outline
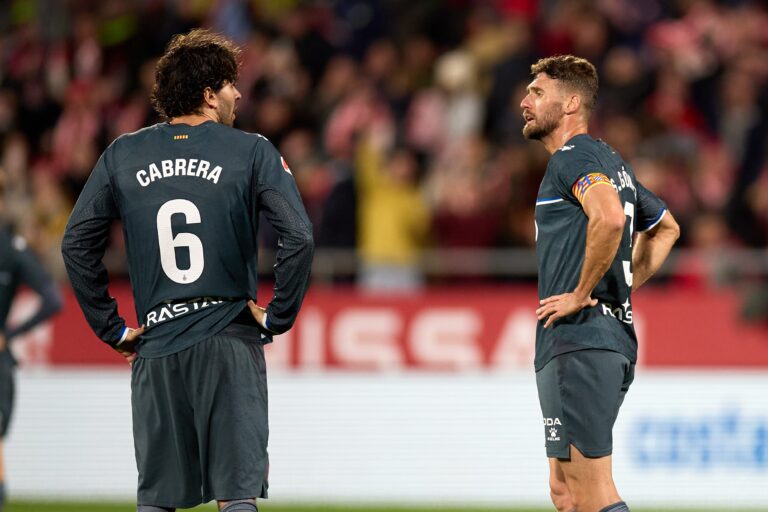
629, 211
169, 243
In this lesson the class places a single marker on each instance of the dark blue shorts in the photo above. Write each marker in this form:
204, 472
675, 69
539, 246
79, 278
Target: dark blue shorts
580, 394
200, 422
7, 392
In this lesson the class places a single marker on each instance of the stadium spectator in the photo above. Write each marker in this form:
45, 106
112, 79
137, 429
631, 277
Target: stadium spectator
680, 82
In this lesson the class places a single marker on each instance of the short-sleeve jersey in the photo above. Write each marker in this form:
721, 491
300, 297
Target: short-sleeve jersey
561, 233
189, 198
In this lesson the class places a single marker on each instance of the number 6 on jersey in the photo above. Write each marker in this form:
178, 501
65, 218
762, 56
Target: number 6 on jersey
169, 243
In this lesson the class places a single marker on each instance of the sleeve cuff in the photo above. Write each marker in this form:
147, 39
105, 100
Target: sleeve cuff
123, 336
654, 222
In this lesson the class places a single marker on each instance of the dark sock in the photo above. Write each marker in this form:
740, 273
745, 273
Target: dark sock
616, 507
240, 506
151, 508
2, 496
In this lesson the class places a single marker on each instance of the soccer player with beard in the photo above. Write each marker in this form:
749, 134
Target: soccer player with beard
599, 235
189, 192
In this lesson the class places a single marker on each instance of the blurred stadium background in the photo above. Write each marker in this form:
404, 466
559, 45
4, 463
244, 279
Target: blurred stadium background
408, 379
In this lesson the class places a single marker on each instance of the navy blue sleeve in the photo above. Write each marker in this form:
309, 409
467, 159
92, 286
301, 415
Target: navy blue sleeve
650, 209
83, 246
278, 198
31, 273
569, 166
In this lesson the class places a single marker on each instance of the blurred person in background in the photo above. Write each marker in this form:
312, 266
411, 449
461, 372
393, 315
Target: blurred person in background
393, 218
19, 267
684, 77
589, 263
189, 192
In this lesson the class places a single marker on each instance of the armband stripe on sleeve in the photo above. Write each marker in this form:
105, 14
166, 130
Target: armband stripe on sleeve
585, 183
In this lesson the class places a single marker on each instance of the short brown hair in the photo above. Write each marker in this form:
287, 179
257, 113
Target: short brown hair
576, 73
192, 62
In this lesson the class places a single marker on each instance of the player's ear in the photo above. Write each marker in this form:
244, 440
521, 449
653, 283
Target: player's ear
209, 98
572, 104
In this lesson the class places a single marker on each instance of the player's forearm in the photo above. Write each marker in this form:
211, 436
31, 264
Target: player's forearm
82, 249
651, 250
292, 273
50, 304
603, 239
294, 258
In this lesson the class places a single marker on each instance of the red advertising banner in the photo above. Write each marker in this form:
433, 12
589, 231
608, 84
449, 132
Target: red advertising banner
443, 329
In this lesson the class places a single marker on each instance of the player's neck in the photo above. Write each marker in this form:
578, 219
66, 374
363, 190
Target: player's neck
193, 119
563, 134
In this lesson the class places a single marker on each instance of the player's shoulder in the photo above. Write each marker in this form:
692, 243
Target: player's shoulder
128, 142
137, 136
236, 135
579, 149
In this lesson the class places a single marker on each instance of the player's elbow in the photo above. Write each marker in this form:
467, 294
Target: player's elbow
68, 245
612, 222
671, 227
54, 299
303, 239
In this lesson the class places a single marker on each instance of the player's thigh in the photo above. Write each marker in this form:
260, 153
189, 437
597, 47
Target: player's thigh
580, 394
7, 393
231, 417
165, 441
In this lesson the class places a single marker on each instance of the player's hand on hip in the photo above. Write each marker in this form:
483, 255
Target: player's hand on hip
127, 348
258, 312
558, 306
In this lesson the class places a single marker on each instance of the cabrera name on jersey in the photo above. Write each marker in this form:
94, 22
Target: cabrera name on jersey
189, 198
561, 226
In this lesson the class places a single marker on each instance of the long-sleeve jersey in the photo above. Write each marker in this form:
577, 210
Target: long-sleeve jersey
189, 198
19, 266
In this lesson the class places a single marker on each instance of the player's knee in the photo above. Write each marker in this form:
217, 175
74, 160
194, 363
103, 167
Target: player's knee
561, 496
240, 506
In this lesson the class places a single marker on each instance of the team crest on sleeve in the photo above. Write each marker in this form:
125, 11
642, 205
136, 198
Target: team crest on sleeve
583, 184
285, 166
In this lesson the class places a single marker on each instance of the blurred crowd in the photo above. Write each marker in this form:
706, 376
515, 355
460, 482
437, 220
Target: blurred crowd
400, 119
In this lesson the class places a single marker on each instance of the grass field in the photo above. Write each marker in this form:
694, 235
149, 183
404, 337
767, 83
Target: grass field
100, 507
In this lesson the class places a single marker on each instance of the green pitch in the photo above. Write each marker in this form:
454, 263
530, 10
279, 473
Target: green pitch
265, 507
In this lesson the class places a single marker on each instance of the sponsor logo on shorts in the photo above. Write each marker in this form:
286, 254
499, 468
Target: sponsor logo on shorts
552, 424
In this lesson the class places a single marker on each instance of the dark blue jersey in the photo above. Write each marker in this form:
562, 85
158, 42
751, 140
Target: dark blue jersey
189, 198
561, 234
19, 266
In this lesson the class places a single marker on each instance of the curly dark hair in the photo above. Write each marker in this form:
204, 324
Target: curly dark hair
192, 62
576, 73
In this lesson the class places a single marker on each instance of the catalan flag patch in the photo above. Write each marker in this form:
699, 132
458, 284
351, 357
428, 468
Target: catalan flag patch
583, 184
180, 137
